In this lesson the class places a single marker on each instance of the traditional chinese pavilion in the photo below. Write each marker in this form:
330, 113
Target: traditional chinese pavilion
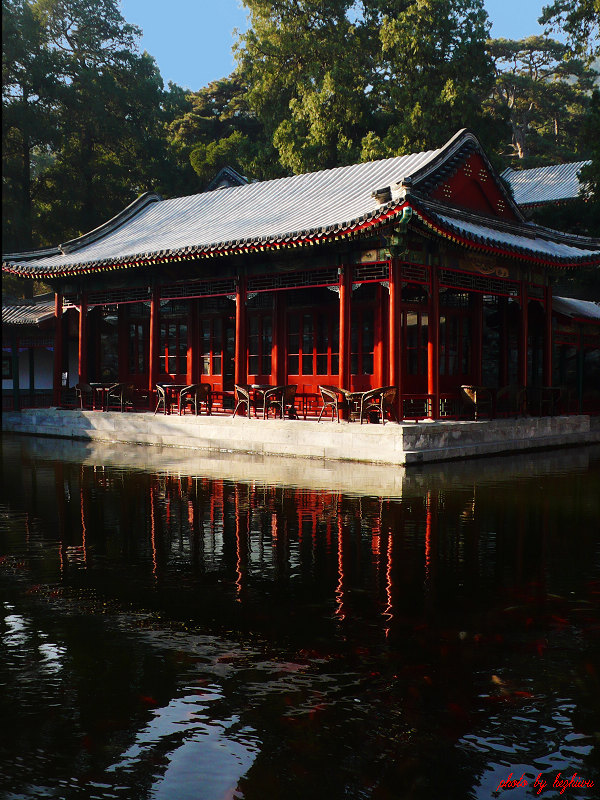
418, 271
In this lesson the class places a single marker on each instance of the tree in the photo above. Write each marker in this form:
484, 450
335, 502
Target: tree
218, 129
85, 120
303, 62
431, 71
544, 95
109, 118
30, 99
579, 20
335, 81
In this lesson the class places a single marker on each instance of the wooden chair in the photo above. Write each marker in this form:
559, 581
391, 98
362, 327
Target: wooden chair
334, 398
380, 400
282, 399
194, 395
544, 401
511, 401
85, 393
117, 396
479, 398
161, 398
242, 398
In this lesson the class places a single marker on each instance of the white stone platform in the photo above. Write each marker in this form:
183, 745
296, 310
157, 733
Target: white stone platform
403, 444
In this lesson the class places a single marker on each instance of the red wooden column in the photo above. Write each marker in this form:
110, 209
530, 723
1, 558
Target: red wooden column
154, 343
433, 345
345, 304
192, 338
477, 337
277, 348
504, 341
58, 347
83, 349
394, 336
523, 336
241, 350
548, 337
379, 366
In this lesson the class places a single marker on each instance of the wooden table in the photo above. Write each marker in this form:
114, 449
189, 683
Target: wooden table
172, 394
100, 390
260, 390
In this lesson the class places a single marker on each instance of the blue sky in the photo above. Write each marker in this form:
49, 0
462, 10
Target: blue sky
191, 39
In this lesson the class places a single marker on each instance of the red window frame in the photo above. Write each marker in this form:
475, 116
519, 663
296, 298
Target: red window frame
312, 352
260, 346
362, 342
173, 348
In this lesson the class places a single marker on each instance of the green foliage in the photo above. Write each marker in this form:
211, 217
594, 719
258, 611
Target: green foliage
305, 67
85, 119
432, 71
218, 129
543, 95
579, 20
30, 101
590, 175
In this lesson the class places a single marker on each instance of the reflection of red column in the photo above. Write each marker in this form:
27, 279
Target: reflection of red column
388, 612
82, 355
548, 337
433, 345
241, 540
241, 354
154, 527
345, 297
154, 343
339, 592
58, 347
431, 527
59, 485
523, 336
83, 526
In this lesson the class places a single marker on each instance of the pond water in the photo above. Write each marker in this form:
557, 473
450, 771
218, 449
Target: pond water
204, 629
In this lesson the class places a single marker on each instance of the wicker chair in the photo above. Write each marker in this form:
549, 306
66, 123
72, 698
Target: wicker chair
334, 398
161, 398
479, 398
117, 396
194, 395
511, 401
544, 400
85, 393
282, 399
380, 400
242, 398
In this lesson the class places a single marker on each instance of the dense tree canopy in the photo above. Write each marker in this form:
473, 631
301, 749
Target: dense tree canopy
544, 95
87, 123
579, 20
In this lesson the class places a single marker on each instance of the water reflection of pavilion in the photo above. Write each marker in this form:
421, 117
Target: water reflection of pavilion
209, 539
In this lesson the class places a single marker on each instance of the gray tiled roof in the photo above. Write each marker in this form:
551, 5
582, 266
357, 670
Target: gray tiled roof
275, 210
302, 209
27, 312
545, 184
527, 238
581, 309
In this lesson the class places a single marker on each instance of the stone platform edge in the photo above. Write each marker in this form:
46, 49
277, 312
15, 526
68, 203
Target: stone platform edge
390, 444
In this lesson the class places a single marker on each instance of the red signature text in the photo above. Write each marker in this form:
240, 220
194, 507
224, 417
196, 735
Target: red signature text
561, 783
